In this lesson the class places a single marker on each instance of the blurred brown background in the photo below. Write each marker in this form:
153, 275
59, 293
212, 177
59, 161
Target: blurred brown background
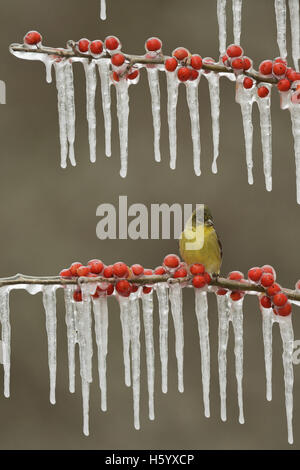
48, 219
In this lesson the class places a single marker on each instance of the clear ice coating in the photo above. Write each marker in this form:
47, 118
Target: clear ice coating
176, 310
6, 336
104, 72
193, 104
203, 328
135, 327
147, 301
295, 31
91, 84
71, 333
153, 81
49, 301
280, 12
214, 94
163, 308
237, 17
221, 14
267, 324
236, 312
264, 106
103, 9
295, 117
223, 330
172, 89
101, 330
123, 114
125, 323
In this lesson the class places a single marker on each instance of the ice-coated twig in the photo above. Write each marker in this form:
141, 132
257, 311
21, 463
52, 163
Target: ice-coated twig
49, 301
125, 323
134, 314
214, 94
193, 104
223, 314
6, 336
147, 301
101, 330
71, 334
153, 81
172, 88
203, 328
123, 114
163, 306
267, 324
237, 19
176, 309
91, 84
264, 106
104, 72
280, 11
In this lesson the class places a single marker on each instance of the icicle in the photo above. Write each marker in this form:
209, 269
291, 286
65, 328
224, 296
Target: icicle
237, 16
49, 301
163, 306
123, 114
223, 314
203, 328
236, 312
267, 324
147, 300
221, 12
48, 61
70, 110
101, 327
172, 88
134, 313
192, 100
245, 99
104, 72
45, 58
264, 106
91, 84
295, 116
61, 100
280, 11
125, 322
85, 389
176, 309
153, 81
71, 334
214, 93
6, 333
295, 31
287, 336
103, 9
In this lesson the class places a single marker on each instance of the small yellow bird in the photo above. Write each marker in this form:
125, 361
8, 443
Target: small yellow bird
199, 242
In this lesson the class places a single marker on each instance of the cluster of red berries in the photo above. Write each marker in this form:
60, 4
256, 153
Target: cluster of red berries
186, 64
234, 295
274, 297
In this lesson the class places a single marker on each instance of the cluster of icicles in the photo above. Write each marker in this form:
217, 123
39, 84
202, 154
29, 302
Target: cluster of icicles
79, 331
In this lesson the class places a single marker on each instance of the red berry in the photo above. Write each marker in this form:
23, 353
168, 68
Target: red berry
83, 45
262, 91
171, 64
171, 261
225, 59
221, 292
159, 271
147, 290
268, 269
153, 44
265, 301
199, 281
184, 74
134, 288
281, 60
234, 51
83, 271
267, 279
181, 272
247, 63
74, 267
283, 84
110, 289
248, 83
237, 64
148, 272
123, 288
96, 266
284, 311
266, 67
235, 275
120, 269
65, 273
236, 295
207, 278
292, 75
115, 77
133, 75
112, 43
96, 47
197, 268
108, 271
254, 274
77, 295
118, 59
279, 69
194, 74
137, 269
180, 53
196, 62
273, 289
32, 38
279, 299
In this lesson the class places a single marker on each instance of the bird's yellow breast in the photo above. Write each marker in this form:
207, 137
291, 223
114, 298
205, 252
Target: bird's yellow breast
201, 245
